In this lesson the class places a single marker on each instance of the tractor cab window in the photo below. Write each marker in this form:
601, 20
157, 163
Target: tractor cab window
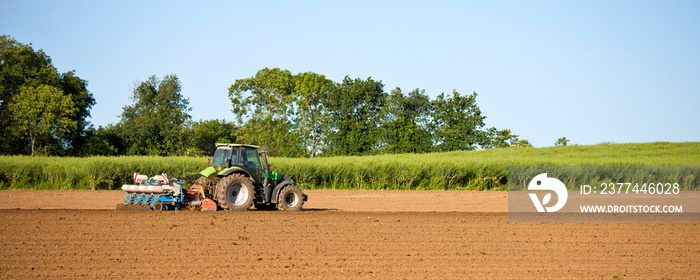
221, 156
249, 157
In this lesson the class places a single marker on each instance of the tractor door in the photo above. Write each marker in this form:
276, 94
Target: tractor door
225, 157
251, 161
221, 156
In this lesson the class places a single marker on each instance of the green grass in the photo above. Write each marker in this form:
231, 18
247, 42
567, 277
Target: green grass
477, 170
91, 173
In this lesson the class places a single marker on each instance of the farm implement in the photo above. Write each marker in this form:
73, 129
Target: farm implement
236, 180
159, 193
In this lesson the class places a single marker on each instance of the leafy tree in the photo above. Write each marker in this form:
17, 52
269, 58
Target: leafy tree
498, 138
562, 142
76, 88
43, 113
522, 144
457, 121
102, 141
287, 142
310, 92
268, 94
354, 116
407, 120
266, 101
23, 67
205, 134
154, 124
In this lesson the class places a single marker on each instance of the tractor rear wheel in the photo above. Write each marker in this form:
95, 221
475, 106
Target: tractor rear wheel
235, 193
291, 199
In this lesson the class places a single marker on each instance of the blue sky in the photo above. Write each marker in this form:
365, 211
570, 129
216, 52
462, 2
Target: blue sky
591, 71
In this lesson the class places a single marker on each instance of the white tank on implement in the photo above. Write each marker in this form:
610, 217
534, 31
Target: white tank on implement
155, 189
142, 189
127, 188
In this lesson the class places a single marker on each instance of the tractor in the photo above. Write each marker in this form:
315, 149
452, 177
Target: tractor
236, 180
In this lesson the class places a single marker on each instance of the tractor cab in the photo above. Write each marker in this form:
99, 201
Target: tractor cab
231, 157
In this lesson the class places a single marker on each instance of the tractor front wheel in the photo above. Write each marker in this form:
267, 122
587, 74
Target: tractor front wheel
291, 199
235, 193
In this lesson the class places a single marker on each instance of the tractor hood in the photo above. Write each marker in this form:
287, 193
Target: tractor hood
208, 171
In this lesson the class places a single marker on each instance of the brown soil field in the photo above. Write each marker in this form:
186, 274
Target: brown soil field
341, 234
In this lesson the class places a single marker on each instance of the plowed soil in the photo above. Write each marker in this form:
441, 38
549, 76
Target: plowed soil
342, 234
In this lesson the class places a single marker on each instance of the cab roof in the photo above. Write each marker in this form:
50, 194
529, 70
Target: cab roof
236, 145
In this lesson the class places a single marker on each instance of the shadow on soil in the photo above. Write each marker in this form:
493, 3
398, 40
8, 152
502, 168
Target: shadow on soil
318, 209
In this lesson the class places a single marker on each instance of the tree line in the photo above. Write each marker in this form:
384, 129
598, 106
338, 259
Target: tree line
307, 114
294, 115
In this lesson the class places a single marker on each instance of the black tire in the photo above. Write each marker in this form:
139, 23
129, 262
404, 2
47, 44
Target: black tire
158, 207
129, 207
120, 206
266, 207
146, 207
136, 207
235, 193
290, 199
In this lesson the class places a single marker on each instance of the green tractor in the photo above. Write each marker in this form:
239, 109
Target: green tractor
237, 179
